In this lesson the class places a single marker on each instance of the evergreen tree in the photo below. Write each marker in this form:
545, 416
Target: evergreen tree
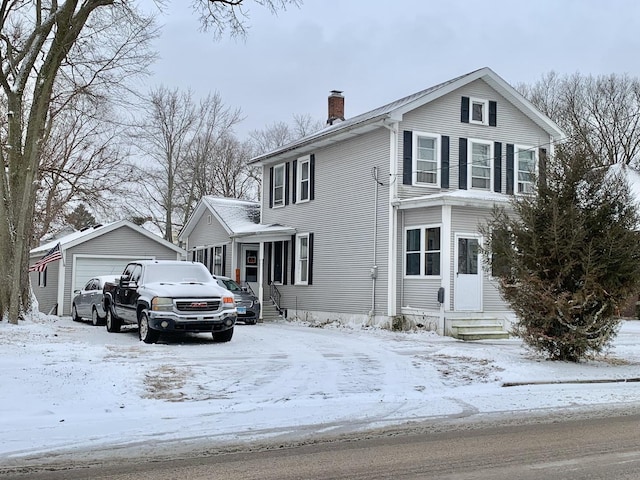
80, 217
568, 257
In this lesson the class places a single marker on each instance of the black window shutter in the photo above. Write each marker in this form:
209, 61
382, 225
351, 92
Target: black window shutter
510, 170
464, 110
407, 157
224, 260
444, 179
310, 260
294, 187
193, 256
285, 259
312, 177
497, 167
271, 187
493, 113
293, 259
462, 163
542, 168
268, 250
287, 172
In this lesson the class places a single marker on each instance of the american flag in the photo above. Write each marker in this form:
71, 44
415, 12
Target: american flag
51, 256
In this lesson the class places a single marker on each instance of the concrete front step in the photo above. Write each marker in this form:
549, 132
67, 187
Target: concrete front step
478, 330
270, 312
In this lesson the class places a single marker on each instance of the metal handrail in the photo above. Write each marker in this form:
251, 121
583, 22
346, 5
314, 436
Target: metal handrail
275, 296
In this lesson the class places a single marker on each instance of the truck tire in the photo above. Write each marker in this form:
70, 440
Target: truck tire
146, 333
113, 323
225, 336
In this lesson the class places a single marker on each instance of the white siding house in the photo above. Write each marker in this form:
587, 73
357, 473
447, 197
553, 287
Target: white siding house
379, 214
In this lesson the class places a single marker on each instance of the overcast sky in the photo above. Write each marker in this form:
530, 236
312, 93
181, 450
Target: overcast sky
377, 51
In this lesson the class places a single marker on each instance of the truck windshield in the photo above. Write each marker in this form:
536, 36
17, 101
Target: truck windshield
176, 273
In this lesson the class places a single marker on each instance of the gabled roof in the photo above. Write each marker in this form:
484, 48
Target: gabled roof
233, 214
239, 218
395, 110
76, 238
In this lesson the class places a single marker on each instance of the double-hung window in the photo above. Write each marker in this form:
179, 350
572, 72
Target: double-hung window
422, 251
426, 157
218, 253
481, 164
478, 111
525, 168
303, 175
302, 259
278, 185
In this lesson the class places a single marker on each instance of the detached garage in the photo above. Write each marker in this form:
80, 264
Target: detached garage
100, 250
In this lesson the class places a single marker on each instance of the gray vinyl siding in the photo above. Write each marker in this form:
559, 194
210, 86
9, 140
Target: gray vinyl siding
418, 292
442, 116
205, 234
468, 220
341, 217
122, 242
47, 296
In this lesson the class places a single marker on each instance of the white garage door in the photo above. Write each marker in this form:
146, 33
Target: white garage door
88, 267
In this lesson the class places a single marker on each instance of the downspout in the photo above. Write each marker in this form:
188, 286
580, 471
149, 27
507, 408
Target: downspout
392, 287
374, 268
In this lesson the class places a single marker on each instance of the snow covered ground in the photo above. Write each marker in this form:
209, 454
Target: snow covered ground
71, 390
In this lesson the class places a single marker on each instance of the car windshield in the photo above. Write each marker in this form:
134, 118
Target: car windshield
230, 285
176, 273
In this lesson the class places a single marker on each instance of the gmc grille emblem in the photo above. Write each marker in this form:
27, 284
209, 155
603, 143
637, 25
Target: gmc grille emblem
198, 304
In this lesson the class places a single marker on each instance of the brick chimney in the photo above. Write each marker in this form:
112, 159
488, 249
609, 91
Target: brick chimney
336, 107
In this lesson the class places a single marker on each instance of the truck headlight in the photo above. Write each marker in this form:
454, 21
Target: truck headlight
228, 302
162, 304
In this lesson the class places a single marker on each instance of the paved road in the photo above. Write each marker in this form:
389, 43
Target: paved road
597, 448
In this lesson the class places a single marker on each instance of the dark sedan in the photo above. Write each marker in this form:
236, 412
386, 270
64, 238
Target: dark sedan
247, 303
87, 303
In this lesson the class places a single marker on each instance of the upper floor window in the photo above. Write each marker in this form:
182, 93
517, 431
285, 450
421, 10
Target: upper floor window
481, 164
526, 163
304, 179
422, 251
278, 185
478, 111
426, 158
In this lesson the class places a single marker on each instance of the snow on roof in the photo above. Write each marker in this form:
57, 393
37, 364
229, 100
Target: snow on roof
66, 239
80, 236
237, 215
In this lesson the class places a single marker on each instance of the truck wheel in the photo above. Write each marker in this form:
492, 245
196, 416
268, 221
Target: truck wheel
146, 333
113, 324
222, 336
74, 314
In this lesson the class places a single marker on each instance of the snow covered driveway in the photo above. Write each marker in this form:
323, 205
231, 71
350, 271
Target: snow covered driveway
69, 388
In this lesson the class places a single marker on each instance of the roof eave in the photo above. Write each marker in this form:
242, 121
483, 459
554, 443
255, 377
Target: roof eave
314, 142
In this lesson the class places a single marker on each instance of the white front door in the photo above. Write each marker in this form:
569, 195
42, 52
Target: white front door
249, 265
468, 274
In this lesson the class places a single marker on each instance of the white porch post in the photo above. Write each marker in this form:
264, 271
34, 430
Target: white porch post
449, 264
261, 276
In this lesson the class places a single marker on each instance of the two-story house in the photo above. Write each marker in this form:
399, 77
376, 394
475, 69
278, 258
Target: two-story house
375, 219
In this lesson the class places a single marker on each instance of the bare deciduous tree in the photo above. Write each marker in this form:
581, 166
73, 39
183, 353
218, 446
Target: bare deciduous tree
599, 114
42, 43
178, 138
